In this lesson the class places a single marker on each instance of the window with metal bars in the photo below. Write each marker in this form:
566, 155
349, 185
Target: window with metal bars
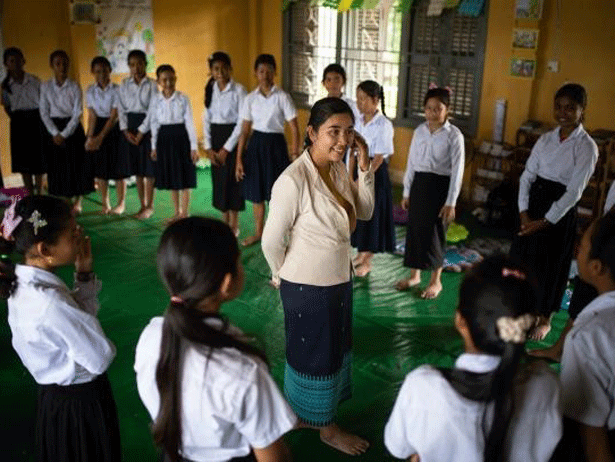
366, 42
447, 50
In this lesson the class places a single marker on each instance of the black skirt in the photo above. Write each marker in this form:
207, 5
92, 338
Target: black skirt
110, 162
318, 325
263, 162
70, 168
227, 192
378, 234
78, 423
548, 252
29, 139
426, 234
175, 169
249, 458
141, 163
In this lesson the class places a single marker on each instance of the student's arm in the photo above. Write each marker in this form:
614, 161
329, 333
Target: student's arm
6, 103
377, 161
275, 452
154, 126
189, 122
98, 139
409, 174
290, 115
76, 115
207, 137
596, 443
246, 128
294, 136
89, 143
232, 140
45, 110
457, 151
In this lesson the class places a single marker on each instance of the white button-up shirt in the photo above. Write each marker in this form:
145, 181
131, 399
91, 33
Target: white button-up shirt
268, 113
570, 162
103, 100
230, 403
588, 365
61, 101
378, 134
441, 152
169, 111
24, 95
55, 330
136, 98
432, 420
306, 239
610, 198
224, 109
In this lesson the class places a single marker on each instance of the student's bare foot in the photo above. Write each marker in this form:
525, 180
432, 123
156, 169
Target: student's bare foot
343, 441
144, 213
542, 328
432, 291
250, 240
363, 270
553, 353
118, 209
236, 232
407, 284
77, 209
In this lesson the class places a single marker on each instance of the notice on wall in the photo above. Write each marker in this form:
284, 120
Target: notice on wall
125, 25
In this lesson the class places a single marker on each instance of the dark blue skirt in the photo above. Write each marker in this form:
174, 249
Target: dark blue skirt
110, 162
378, 234
141, 163
70, 169
175, 169
318, 323
227, 191
263, 162
29, 139
549, 251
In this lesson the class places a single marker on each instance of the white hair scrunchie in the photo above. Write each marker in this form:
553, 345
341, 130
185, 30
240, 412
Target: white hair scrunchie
514, 330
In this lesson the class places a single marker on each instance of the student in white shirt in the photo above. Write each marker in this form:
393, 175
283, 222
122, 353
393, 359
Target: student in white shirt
174, 144
136, 94
334, 81
264, 112
21, 93
208, 392
587, 371
432, 183
103, 136
488, 407
313, 211
221, 128
70, 171
377, 234
56, 333
556, 173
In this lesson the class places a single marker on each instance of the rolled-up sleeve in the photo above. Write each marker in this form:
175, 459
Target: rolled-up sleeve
457, 150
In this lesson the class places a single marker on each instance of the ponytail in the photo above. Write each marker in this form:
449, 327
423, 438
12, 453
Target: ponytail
373, 89
209, 91
382, 100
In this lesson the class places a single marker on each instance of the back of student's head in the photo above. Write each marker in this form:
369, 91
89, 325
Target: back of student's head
497, 300
374, 90
323, 109
194, 257
602, 242
334, 68
29, 214
267, 59
575, 92
216, 57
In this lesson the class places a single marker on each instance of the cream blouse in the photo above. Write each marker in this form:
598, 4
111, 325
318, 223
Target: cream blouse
307, 235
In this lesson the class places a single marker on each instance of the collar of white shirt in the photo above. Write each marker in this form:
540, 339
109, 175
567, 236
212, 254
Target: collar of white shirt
175, 95
229, 86
26, 79
446, 126
575, 133
373, 120
58, 86
274, 89
32, 275
477, 362
602, 302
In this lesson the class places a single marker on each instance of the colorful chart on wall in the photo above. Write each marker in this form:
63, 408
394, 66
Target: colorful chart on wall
125, 25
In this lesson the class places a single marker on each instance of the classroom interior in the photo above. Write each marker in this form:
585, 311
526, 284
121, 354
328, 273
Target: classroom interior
393, 332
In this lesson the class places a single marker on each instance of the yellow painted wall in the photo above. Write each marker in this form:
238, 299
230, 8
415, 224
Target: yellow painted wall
187, 31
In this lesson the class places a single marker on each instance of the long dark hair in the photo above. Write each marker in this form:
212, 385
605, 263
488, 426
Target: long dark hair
194, 256
336, 69
495, 288
218, 56
322, 110
374, 90
575, 92
441, 94
54, 211
10, 51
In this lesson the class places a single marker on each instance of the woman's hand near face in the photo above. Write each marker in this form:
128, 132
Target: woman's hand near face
360, 145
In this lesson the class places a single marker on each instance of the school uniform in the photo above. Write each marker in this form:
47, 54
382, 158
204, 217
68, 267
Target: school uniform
353, 106
267, 154
230, 403
378, 234
135, 100
173, 136
27, 133
60, 341
587, 370
110, 163
433, 177
221, 129
70, 170
306, 242
449, 427
555, 175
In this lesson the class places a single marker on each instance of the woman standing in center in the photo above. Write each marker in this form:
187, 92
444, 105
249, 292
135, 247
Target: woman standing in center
313, 211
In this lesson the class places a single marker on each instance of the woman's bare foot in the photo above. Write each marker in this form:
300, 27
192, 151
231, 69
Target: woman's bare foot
553, 353
343, 441
407, 284
432, 291
250, 240
542, 328
118, 209
363, 269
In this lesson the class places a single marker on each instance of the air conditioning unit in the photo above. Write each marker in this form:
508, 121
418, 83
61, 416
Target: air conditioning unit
84, 12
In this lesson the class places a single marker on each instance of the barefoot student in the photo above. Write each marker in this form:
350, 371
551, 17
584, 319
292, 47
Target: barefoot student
431, 186
314, 209
555, 175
